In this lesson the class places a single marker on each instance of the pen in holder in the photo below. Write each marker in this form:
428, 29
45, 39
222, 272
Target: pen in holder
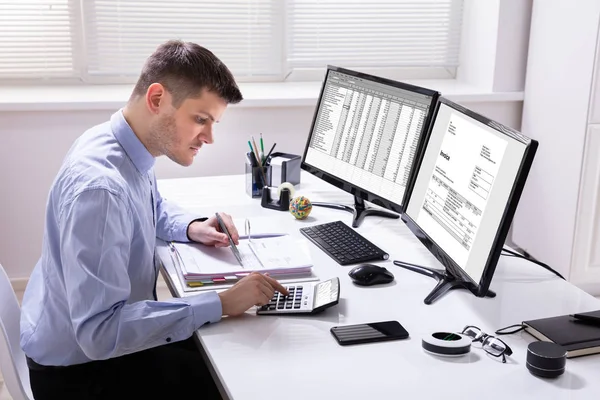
257, 177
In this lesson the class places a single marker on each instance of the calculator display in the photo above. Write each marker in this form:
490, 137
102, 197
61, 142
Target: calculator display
326, 292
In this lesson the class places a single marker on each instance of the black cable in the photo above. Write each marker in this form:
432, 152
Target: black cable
512, 253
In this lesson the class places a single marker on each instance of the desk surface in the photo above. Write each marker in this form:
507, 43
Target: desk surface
294, 357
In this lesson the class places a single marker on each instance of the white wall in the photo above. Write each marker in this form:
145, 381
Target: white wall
562, 81
32, 145
495, 43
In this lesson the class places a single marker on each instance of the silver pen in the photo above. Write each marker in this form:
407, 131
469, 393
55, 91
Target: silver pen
234, 248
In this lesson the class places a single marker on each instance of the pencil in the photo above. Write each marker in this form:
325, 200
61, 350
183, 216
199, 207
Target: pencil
262, 150
255, 149
259, 163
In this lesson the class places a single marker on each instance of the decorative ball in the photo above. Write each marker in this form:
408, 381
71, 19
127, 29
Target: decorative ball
300, 207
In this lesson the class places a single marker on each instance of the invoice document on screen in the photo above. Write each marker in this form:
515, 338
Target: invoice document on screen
460, 186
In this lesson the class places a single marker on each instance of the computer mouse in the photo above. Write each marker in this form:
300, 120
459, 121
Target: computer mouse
370, 274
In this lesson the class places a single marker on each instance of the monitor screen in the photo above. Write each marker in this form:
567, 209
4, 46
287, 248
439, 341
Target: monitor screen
466, 189
366, 133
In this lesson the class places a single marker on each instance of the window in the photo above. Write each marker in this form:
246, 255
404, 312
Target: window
107, 41
37, 39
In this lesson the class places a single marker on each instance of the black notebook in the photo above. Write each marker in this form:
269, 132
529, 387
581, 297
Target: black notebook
579, 338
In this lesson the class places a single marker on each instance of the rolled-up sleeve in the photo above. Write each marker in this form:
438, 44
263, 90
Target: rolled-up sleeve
98, 287
172, 221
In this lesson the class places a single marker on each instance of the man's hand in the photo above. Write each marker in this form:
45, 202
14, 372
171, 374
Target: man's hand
254, 289
209, 232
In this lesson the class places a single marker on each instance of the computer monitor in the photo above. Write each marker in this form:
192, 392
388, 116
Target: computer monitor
468, 181
364, 137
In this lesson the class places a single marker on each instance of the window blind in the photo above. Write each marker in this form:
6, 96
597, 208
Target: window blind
245, 34
107, 41
37, 39
390, 33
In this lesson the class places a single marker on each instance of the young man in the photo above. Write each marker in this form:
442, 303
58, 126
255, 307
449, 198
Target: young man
91, 325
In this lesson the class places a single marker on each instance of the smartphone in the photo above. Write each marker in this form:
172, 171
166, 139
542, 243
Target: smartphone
367, 333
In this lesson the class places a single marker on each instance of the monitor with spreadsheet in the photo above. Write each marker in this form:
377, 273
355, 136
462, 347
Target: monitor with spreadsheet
364, 137
468, 181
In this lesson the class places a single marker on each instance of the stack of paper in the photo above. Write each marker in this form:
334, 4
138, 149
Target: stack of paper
281, 257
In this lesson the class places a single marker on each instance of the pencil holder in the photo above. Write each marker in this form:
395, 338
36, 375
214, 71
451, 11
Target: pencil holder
256, 179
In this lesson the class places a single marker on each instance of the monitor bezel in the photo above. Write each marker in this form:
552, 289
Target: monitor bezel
353, 188
507, 216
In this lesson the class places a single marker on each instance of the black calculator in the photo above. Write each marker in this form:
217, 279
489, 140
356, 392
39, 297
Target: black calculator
304, 298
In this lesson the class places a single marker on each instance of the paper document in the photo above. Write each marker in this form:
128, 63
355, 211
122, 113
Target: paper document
278, 255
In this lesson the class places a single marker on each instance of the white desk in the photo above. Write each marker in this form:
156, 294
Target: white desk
297, 358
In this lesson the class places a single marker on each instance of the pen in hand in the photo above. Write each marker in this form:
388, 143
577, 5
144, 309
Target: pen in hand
234, 248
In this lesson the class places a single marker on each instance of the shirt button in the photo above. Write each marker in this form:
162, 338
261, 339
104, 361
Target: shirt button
168, 340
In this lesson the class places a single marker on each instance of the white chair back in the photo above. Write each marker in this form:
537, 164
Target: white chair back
12, 359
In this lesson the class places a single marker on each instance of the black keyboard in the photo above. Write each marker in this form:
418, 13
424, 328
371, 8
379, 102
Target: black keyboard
343, 244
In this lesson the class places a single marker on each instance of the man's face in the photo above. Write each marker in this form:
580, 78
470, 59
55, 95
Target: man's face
180, 133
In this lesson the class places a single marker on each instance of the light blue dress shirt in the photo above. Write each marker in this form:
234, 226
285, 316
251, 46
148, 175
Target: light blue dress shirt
91, 294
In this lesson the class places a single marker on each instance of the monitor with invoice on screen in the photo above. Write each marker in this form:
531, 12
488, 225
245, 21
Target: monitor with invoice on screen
364, 137
468, 181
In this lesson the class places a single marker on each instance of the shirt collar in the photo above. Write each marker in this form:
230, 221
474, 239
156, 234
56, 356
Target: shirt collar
137, 152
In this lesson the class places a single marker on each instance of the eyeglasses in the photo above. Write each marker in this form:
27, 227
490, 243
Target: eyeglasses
491, 344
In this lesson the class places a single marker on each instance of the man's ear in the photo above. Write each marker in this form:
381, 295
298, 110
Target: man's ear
154, 96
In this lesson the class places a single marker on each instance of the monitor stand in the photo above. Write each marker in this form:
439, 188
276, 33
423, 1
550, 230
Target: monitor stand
360, 210
446, 281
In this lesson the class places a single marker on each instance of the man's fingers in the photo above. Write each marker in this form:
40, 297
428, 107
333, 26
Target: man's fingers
265, 300
218, 237
235, 236
266, 289
263, 294
276, 285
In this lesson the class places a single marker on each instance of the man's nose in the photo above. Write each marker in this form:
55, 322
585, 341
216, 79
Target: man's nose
207, 134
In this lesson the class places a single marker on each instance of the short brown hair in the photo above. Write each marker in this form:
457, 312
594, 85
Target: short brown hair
185, 69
